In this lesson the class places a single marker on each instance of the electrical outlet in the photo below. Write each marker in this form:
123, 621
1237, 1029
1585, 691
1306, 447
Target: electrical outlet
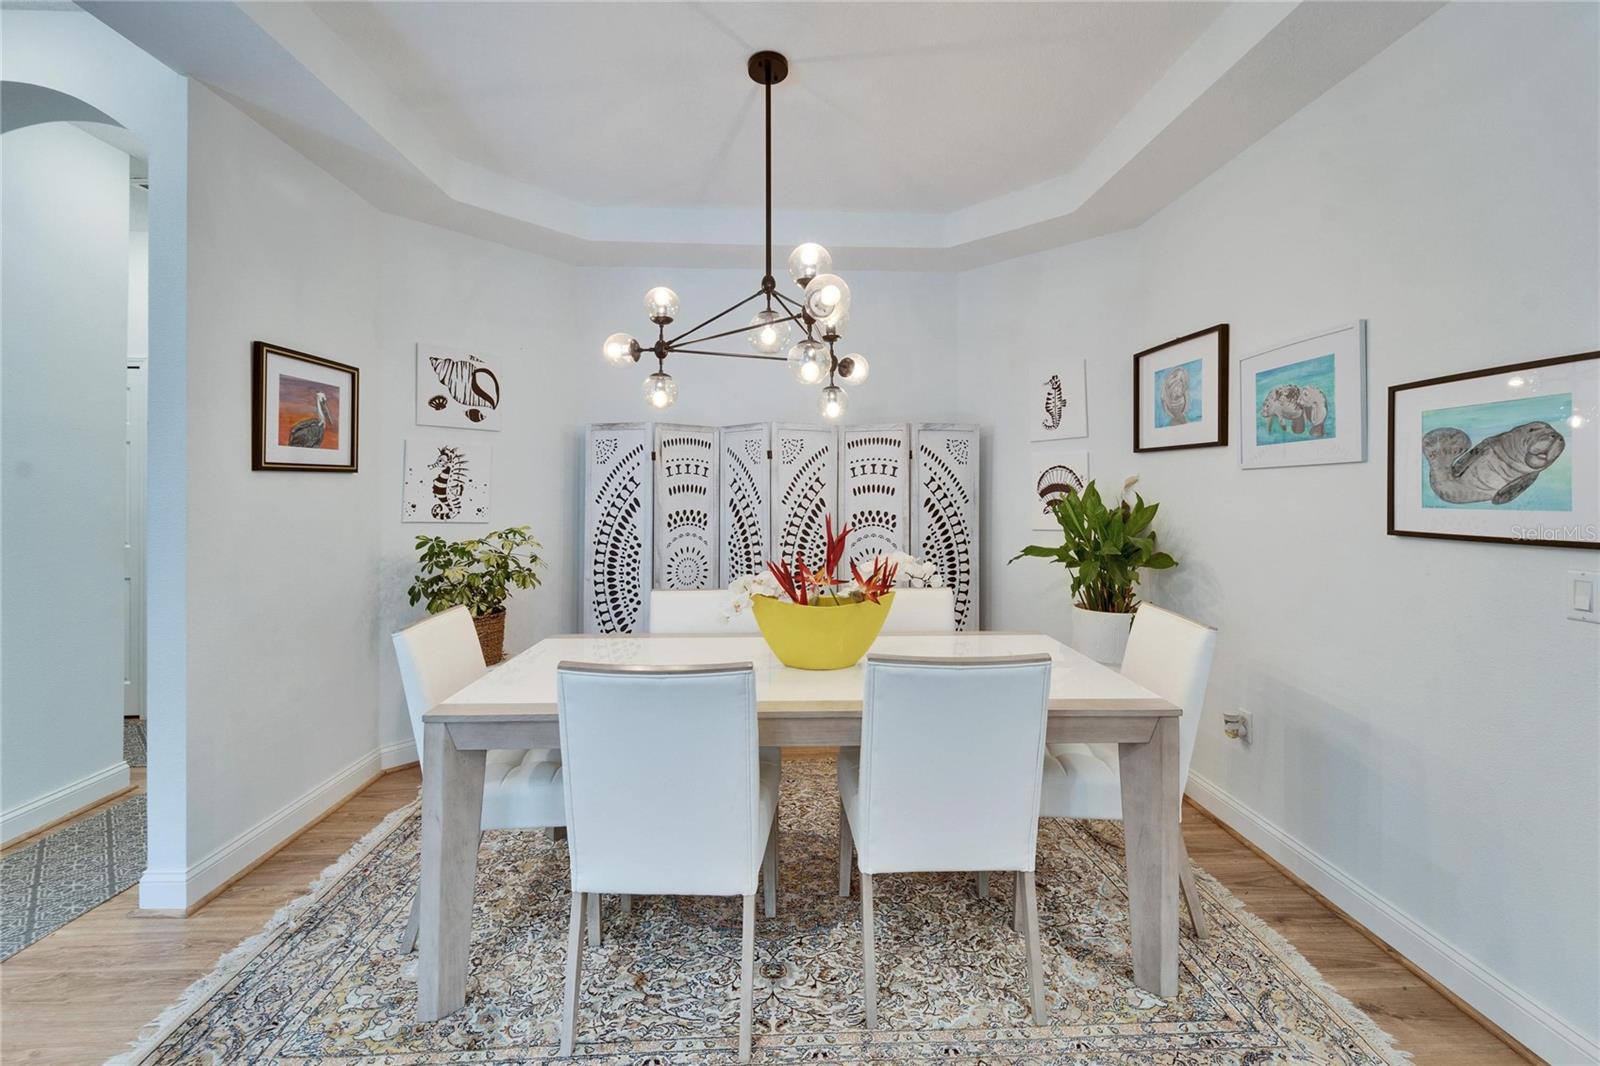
1237, 727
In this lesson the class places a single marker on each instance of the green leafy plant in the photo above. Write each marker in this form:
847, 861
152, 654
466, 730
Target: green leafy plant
1104, 548
476, 574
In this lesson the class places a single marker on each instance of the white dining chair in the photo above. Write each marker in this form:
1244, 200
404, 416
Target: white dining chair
945, 779
438, 657
666, 795
696, 611
922, 611
1171, 656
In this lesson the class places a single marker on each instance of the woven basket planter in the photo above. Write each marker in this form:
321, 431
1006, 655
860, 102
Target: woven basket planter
491, 635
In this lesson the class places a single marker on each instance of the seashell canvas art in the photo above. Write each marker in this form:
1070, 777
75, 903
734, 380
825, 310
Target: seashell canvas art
457, 389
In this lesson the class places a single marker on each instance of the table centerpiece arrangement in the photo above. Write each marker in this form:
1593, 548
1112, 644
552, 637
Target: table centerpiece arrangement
814, 619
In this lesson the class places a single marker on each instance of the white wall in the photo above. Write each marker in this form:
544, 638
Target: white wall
440, 287
65, 206
282, 672
1426, 719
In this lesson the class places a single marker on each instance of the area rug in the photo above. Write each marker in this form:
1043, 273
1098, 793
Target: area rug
69, 871
135, 746
325, 982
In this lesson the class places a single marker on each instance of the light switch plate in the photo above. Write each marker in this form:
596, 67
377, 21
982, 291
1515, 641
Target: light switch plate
1581, 593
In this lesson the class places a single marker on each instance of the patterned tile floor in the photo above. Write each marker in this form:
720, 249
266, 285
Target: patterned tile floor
69, 871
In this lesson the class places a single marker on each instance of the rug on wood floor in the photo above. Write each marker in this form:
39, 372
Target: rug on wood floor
135, 735
69, 871
325, 983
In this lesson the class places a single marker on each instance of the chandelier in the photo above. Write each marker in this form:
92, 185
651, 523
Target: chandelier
821, 314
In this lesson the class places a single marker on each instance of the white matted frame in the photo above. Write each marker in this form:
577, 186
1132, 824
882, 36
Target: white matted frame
1304, 402
1507, 454
1180, 392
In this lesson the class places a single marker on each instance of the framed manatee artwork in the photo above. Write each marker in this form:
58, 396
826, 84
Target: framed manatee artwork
1304, 403
1054, 469
304, 411
1058, 401
1180, 392
457, 389
1510, 454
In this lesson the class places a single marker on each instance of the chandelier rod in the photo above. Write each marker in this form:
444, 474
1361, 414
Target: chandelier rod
730, 332
767, 283
731, 355
685, 334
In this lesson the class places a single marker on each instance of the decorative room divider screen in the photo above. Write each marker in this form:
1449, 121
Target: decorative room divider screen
694, 507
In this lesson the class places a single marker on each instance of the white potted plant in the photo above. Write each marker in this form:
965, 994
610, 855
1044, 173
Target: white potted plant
477, 574
1103, 548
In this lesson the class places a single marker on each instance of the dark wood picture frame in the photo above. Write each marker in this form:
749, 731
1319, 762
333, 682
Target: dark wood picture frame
1490, 371
259, 351
1222, 390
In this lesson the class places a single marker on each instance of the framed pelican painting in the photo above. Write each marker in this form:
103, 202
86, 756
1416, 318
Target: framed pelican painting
304, 411
1510, 454
1180, 392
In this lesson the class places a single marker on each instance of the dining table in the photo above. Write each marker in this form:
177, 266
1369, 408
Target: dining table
514, 706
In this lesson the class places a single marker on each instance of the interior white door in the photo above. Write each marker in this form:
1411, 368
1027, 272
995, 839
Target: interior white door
875, 489
133, 702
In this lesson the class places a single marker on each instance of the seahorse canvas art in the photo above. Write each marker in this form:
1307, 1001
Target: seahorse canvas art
457, 389
445, 482
1059, 401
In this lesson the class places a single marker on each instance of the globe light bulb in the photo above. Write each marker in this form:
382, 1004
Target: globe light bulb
807, 261
660, 391
808, 362
770, 335
853, 368
833, 327
620, 349
827, 298
661, 304
832, 402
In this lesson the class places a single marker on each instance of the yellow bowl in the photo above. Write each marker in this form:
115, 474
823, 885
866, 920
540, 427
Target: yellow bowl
820, 638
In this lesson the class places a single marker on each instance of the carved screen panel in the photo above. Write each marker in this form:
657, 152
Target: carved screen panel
686, 518
875, 489
945, 499
616, 525
746, 500
805, 484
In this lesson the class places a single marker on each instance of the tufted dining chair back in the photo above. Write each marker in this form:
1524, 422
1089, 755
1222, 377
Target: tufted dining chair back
951, 751
662, 781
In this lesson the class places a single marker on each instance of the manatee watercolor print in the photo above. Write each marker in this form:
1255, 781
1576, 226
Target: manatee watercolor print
1295, 402
1504, 455
1178, 392
308, 413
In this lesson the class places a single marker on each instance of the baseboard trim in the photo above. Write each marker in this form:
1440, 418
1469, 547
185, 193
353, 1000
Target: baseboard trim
182, 892
400, 753
59, 805
1523, 1022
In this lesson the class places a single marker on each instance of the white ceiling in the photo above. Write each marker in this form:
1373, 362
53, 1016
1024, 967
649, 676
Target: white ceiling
909, 135
899, 107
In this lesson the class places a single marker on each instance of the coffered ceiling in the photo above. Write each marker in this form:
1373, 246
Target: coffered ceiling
932, 135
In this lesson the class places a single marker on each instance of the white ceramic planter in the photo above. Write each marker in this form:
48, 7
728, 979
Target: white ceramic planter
1101, 635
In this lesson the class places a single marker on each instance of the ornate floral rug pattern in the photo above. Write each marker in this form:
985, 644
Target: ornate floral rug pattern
325, 983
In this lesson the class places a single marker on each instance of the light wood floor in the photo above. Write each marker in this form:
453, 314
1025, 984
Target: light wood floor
79, 995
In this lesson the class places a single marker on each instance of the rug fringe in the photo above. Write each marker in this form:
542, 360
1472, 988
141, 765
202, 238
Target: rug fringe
1302, 968
152, 1033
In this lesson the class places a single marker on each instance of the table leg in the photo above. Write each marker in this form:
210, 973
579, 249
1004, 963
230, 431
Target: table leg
1150, 824
452, 809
